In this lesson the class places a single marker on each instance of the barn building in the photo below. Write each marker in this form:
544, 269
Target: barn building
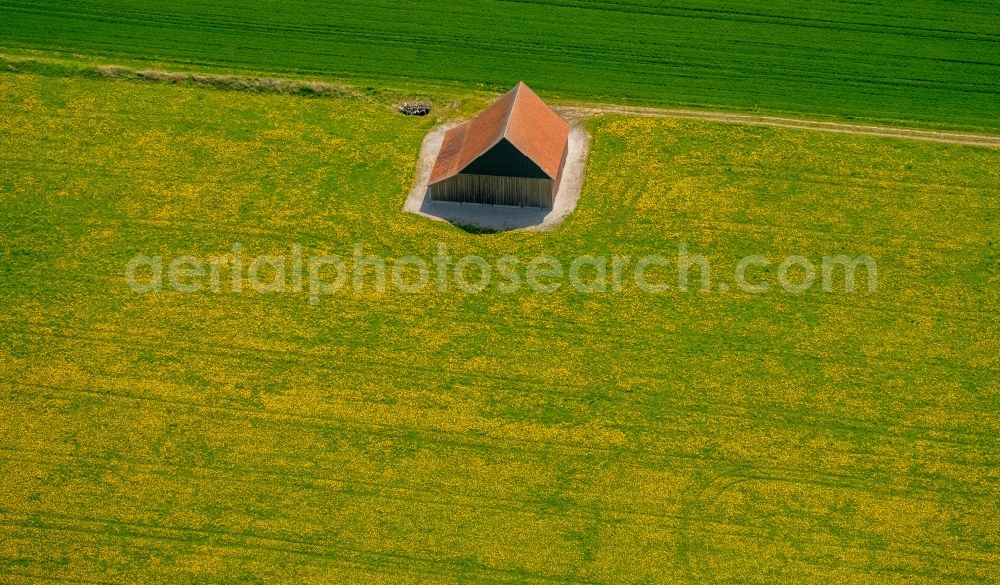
511, 154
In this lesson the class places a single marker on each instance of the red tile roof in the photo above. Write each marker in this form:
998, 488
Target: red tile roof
521, 117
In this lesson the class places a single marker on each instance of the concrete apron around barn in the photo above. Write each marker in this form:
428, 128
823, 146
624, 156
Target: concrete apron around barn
498, 217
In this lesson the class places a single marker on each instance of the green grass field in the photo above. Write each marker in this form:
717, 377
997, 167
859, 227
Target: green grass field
566, 437
923, 62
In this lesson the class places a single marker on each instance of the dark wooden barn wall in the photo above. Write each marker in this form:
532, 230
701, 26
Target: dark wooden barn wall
494, 190
505, 160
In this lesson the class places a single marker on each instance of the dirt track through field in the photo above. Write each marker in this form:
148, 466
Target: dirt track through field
821, 126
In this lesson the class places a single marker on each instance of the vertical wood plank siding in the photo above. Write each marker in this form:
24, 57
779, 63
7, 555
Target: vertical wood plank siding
494, 190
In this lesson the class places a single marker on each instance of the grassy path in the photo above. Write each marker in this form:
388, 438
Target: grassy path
943, 137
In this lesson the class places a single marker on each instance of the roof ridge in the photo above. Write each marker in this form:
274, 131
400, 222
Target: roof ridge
510, 109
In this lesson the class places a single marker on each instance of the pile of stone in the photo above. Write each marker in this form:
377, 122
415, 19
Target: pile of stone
414, 108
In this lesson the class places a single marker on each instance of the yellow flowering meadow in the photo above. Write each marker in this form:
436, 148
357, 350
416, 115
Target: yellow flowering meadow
619, 436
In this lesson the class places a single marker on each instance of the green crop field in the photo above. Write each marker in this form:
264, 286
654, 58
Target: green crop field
616, 437
920, 62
